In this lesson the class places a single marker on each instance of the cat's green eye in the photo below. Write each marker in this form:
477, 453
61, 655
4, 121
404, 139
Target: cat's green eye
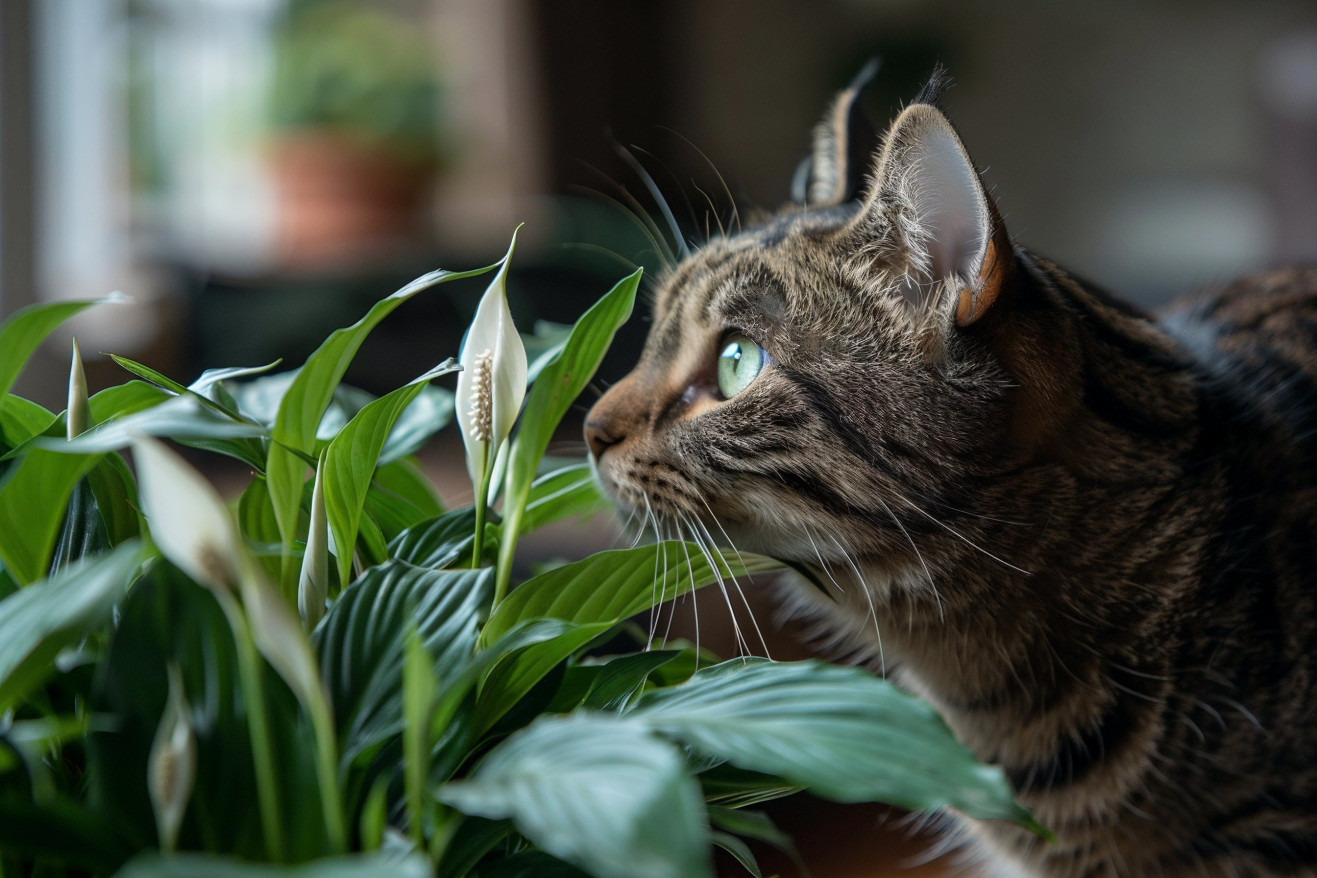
738, 364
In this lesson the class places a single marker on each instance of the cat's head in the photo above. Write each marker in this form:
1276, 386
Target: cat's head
814, 385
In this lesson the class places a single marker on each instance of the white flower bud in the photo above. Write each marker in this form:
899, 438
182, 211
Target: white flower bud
313, 584
79, 415
172, 765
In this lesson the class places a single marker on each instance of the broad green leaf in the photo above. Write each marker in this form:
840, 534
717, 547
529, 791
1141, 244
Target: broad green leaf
623, 677
306, 399
349, 464
376, 865
612, 586
570, 491
83, 532
116, 498
438, 542
596, 792
169, 385
726, 786
360, 642
405, 479
27, 327
390, 513
514, 675
472, 838
125, 399
841, 732
38, 621
34, 496
21, 419
556, 388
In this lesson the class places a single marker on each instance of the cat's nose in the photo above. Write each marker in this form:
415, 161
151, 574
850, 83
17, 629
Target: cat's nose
619, 414
599, 437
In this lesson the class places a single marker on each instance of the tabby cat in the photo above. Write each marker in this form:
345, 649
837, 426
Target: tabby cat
1087, 534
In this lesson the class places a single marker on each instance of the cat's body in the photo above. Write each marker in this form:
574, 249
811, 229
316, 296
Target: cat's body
1086, 535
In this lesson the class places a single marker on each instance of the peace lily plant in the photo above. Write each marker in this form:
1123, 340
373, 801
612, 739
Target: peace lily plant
331, 673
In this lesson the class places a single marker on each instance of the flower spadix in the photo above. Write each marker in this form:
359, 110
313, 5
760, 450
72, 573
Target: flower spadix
492, 383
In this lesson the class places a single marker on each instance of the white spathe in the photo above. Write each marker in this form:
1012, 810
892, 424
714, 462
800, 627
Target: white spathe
188, 520
492, 332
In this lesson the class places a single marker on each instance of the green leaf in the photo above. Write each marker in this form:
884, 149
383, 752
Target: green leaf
20, 420
181, 418
27, 327
360, 642
211, 377
306, 399
596, 792
419, 685
38, 621
116, 498
624, 677
376, 865
349, 464
740, 850
83, 532
110, 403
400, 497
125, 399
570, 491
438, 542
841, 732
613, 586
556, 388
515, 674
405, 479
472, 838
34, 496
751, 824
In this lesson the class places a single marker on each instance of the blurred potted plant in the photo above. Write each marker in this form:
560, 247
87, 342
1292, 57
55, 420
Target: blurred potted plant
355, 110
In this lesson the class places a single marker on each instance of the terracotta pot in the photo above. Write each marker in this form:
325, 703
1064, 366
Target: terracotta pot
342, 201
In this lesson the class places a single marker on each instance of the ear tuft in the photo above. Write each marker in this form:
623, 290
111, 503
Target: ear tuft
938, 82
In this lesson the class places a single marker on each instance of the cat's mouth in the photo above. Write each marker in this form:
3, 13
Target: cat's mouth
657, 500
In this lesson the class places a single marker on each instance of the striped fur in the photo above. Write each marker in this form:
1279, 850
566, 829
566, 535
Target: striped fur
1085, 533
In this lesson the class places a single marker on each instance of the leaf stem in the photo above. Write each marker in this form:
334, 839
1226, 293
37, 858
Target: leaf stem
253, 690
482, 502
331, 796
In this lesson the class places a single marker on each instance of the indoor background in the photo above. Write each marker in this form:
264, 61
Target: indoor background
255, 173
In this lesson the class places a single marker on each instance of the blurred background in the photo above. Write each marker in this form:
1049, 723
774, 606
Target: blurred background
256, 173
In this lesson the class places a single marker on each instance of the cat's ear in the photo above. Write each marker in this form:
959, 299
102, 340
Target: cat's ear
834, 172
929, 203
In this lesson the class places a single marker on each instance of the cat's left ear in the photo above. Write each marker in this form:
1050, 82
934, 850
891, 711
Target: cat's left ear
929, 203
